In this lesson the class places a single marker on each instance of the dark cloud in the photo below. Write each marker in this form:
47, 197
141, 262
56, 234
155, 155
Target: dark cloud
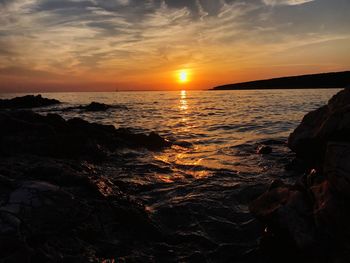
4, 2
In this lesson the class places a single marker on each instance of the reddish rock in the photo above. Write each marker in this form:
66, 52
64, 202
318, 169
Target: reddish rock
328, 123
285, 211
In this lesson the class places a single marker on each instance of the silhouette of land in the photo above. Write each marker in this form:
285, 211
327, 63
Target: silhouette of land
313, 81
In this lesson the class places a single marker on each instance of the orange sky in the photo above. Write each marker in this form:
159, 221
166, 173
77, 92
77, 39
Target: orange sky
97, 45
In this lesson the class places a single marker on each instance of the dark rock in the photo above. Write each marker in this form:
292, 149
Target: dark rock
312, 215
273, 142
331, 216
297, 164
328, 123
93, 107
153, 141
29, 101
57, 202
314, 178
96, 106
313, 81
264, 149
183, 144
337, 167
51, 135
284, 209
45, 216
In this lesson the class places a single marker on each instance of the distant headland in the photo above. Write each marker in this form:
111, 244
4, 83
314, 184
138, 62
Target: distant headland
313, 81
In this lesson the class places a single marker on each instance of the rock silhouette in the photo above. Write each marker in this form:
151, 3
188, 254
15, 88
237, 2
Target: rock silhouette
51, 135
319, 127
29, 101
313, 81
308, 221
96, 106
92, 107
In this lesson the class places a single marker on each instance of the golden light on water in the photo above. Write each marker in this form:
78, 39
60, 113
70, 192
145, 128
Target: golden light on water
183, 101
183, 94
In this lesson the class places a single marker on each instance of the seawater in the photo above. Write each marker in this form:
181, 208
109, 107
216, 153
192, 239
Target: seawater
198, 194
214, 122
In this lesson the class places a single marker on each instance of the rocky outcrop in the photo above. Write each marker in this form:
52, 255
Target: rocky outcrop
92, 107
25, 102
328, 123
51, 135
96, 106
55, 206
308, 221
286, 209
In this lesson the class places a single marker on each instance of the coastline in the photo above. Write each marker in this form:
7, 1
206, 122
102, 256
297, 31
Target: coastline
54, 169
332, 80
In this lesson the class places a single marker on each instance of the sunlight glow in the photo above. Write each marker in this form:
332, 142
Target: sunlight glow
183, 76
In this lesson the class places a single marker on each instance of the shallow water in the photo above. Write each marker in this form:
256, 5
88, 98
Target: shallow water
198, 194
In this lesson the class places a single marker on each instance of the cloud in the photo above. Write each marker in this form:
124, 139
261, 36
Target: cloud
286, 2
104, 39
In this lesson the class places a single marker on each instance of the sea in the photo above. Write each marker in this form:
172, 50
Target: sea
198, 191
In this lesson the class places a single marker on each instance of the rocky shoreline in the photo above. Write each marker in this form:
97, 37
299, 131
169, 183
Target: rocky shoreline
54, 207
308, 221
57, 206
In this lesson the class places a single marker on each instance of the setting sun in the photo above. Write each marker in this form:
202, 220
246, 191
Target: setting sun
183, 76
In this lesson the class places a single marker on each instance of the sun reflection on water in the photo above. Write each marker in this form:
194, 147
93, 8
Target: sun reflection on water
183, 101
182, 160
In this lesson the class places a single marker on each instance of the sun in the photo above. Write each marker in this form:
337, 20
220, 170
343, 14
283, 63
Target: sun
183, 76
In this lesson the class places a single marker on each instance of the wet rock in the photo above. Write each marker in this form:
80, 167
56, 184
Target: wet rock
264, 149
96, 106
328, 123
92, 107
153, 141
29, 101
284, 209
183, 144
51, 135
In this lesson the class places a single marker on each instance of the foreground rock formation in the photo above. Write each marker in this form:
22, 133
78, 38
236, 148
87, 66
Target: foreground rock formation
54, 206
309, 221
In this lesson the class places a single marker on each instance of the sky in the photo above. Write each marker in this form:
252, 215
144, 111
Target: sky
107, 45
